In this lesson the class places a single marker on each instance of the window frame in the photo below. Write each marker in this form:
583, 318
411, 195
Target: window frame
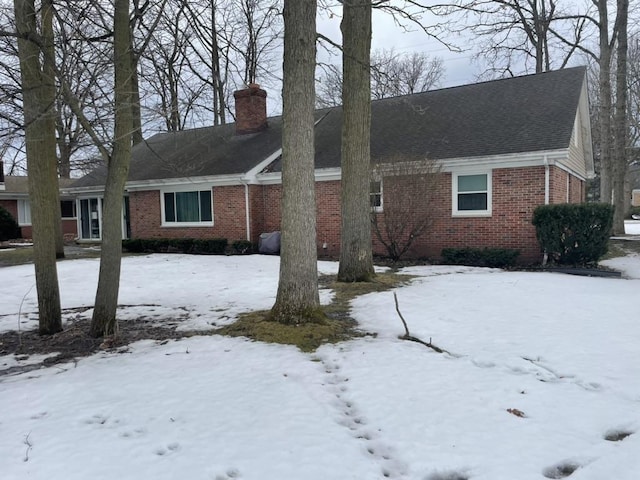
183, 189
380, 193
24, 212
454, 194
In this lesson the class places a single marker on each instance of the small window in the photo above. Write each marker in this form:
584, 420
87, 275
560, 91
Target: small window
24, 212
188, 207
68, 208
472, 194
375, 195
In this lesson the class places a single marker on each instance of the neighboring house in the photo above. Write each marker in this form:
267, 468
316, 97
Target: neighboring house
503, 147
14, 197
635, 198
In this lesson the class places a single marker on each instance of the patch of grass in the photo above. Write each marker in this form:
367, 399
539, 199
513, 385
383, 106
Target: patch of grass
621, 248
16, 256
337, 326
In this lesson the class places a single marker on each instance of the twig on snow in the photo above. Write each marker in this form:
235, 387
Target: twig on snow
411, 338
29, 445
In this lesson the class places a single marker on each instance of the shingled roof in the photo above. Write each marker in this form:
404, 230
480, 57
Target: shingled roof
522, 114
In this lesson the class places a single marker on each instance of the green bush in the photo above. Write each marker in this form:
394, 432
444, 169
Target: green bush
9, 228
574, 234
480, 257
215, 246
241, 247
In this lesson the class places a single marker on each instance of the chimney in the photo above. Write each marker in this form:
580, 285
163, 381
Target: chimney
251, 109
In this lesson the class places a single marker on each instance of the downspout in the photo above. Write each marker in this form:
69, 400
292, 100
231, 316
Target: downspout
545, 257
246, 209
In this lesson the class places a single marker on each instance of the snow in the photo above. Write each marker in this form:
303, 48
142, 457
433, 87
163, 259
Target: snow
560, 350
632, 227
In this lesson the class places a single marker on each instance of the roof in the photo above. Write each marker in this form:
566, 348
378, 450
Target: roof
18, 186
521, 114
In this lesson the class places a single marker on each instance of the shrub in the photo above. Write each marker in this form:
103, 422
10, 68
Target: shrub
9, 228
242, 246
214, 246
574, 234
480, 257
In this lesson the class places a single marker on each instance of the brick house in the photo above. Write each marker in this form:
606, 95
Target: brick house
502, 147
14, 197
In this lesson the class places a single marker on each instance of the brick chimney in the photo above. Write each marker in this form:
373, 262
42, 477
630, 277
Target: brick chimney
251, 109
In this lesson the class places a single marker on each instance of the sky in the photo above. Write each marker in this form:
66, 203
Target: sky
542, 377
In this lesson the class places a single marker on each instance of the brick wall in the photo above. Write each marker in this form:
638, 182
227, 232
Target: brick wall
10, 206
229, 216
515, 194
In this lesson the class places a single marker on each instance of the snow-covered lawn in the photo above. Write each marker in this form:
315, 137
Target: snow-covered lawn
542, 368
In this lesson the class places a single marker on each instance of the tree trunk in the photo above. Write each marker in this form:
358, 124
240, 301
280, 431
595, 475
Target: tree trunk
49, 79
621, 126
104, 314
136, 113
40, 139
297, 300
604, 63
356, 260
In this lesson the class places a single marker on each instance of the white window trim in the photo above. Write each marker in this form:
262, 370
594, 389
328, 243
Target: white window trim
185, 188
23, 207
380, 208
454, 198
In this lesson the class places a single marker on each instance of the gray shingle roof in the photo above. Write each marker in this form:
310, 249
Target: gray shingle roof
522, 114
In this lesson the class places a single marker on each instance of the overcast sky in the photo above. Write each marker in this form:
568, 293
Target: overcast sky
460, 68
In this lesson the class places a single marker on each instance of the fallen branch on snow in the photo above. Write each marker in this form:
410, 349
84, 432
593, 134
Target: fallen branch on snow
411, 338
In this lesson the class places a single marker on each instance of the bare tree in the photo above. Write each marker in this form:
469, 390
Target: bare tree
103, 321
402, 195
39, 121
356, 259
620, 165
297, 300
392, 74
517, 35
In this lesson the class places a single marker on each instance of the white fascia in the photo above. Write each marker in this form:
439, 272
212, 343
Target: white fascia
251, 176
320, 175
512, 160
211, 180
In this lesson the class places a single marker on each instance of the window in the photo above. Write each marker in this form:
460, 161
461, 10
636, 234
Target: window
24, 212
375, 195
68, 208
472, 194
186, 208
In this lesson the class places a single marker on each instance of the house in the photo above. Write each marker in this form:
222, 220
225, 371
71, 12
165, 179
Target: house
503, 147
14, 197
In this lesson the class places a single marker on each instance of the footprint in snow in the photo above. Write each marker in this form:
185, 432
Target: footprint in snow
170, 448
228, 475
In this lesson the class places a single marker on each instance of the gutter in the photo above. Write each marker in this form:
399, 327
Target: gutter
246, 207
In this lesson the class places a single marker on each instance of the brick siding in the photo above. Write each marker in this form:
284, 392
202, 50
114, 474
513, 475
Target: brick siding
515, 194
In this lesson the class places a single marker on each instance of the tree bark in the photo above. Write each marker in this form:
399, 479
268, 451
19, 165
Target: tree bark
297, 300
39, 117
356, 260
604, 63
620, 121
49, 79
104, 315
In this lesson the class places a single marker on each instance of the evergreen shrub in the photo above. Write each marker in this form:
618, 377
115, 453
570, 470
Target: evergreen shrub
9, 228
214, 246
574, 234
480, 257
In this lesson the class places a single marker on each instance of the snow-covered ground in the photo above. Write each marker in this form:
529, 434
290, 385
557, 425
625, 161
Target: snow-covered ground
542, 367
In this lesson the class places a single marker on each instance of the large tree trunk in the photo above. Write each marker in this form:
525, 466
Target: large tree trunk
104, 314
40, 139
604, 63
620, 122
49, 79
356, 261
297, 300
